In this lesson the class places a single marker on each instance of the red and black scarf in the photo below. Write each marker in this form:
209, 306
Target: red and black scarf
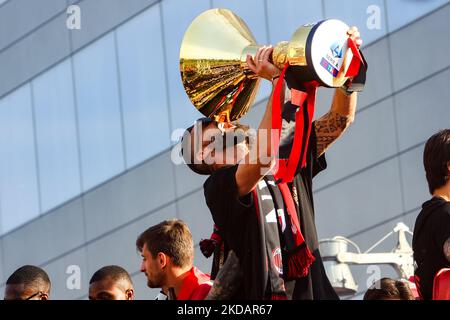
287, 252
286, 249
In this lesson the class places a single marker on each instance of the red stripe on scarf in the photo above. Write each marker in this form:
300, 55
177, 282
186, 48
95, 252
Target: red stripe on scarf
300, 258
311, 90
287, 168
357, 59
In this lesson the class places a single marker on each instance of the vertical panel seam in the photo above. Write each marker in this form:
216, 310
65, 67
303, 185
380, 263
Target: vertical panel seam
36, 152
78, 135
119, 92
394, 107
169, 104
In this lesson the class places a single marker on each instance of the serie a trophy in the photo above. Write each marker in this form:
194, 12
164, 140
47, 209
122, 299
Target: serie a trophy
214, 70
220, 85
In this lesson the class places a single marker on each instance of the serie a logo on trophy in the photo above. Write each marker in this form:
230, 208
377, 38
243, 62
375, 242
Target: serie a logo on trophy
220, 85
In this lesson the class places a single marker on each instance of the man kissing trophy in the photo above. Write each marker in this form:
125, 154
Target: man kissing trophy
259, 189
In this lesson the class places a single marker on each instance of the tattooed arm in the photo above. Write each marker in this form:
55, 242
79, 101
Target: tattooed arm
333, 124
342, 112
228, 280
447, 249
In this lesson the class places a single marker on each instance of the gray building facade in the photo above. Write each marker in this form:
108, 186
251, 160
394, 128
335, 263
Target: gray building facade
87, 119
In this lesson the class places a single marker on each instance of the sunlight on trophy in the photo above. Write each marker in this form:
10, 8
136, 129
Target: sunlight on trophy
213, 64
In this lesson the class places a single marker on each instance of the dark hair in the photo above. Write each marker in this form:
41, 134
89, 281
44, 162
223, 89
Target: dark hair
115, 273
171, 237
387, 288
187, 147
436, 157
30, 276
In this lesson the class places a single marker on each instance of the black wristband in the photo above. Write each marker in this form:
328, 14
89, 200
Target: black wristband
345, 90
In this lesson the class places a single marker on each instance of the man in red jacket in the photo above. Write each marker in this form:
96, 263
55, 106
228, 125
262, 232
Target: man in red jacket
167, 251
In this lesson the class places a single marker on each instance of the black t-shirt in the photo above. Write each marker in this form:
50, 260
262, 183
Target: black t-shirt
431, 230
238, 225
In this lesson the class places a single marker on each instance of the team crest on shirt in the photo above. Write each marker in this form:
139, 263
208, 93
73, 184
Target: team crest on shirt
277, 260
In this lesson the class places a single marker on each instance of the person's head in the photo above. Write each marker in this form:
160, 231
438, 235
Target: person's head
165, 248
111, 283
28, 283
209, 145
389, 289
436, 160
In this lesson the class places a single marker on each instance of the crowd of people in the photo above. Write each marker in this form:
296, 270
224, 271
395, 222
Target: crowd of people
264, 238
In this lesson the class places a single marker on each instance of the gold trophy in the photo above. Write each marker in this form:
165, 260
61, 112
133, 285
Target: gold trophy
213, 61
